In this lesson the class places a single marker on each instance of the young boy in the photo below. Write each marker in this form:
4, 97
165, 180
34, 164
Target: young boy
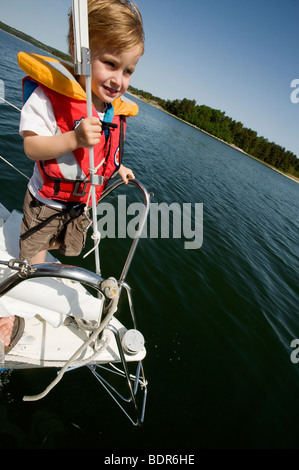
116, 44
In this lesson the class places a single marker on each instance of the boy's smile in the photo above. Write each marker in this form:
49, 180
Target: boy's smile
111, 74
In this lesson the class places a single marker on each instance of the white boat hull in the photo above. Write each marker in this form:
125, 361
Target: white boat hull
43, 345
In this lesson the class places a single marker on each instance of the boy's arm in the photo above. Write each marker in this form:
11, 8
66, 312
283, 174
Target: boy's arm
38, 147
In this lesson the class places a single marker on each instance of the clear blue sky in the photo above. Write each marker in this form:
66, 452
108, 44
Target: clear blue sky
238, 56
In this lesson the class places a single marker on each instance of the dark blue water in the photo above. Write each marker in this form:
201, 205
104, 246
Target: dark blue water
218, 320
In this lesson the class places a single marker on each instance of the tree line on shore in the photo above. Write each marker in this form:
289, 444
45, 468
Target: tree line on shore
216, 123
35, 42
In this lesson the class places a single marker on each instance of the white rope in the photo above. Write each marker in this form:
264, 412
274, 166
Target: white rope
94, 170
5, 101
10, 164
94, 236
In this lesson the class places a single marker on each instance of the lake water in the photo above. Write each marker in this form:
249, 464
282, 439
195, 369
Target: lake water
218, 320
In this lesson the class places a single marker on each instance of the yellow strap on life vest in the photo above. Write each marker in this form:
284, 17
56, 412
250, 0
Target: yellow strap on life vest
51, 73
58, 76
125, 107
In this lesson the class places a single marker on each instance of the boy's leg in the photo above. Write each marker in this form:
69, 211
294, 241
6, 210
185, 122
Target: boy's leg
40, 258
34, 247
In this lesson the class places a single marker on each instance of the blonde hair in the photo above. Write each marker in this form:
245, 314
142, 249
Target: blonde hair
114, 23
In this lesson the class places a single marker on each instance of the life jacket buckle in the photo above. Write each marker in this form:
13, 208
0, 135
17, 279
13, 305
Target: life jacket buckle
76, 188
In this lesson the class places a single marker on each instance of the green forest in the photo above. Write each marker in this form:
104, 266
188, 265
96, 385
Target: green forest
216, 123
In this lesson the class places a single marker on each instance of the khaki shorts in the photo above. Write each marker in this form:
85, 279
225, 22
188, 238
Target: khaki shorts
71, 236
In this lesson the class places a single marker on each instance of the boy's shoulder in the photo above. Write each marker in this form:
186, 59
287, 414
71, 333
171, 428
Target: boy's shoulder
124, 106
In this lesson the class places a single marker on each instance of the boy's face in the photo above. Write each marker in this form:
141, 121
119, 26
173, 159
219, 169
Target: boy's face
111, 74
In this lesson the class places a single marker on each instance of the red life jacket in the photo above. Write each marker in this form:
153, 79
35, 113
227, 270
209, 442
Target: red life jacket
67, 178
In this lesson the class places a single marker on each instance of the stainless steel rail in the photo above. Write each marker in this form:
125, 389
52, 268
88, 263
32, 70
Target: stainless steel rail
146, 199
73, 273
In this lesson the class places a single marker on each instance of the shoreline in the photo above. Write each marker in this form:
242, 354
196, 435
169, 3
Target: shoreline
152, 103
48, 49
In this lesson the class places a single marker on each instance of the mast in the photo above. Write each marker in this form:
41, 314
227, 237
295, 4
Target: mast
83, 67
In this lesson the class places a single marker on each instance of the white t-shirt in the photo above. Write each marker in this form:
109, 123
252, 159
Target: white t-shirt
38, 116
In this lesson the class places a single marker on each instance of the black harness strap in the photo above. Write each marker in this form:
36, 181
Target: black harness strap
74, 210
121, 140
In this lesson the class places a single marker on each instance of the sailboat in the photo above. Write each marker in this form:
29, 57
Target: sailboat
67, 314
